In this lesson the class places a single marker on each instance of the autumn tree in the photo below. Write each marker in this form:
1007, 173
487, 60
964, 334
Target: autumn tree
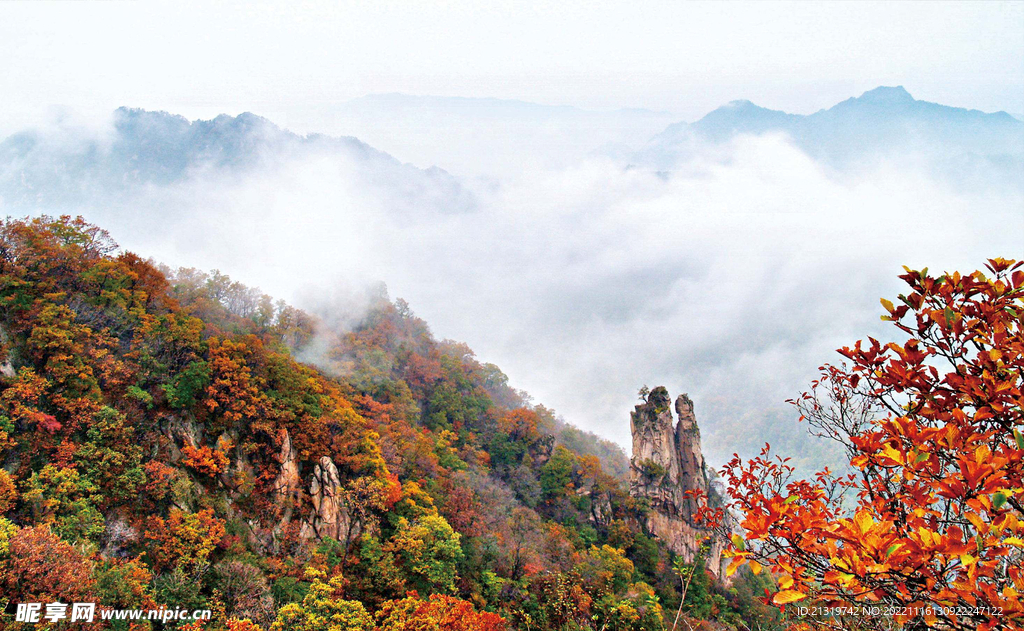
233, 395
204, 460
123, 584
428, 550
183, 539
930, 520
22, 402
8, 492
37, 566
323, 608
437, 613
61, 496
111, 457
245, 591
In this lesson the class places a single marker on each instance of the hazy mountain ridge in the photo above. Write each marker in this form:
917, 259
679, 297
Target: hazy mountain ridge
886, 121
67, 166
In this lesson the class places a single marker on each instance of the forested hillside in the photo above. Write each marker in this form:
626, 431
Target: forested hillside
162, 445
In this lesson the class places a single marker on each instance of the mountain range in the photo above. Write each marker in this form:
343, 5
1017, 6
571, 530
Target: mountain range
69, 167
452, 138
885, 122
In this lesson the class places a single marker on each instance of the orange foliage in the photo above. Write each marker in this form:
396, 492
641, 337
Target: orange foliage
204, 460
520, 424
235, 624
146, 280
43, 568
21, 398
158, 479
184, 539
233, 396
439, 612
8, 493
462, 507
933, 430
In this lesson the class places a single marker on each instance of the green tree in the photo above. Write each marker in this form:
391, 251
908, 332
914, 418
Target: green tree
556, 476
429, 550
63, 497
188, 385
111, 457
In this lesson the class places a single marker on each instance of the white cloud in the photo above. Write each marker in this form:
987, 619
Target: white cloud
732, 278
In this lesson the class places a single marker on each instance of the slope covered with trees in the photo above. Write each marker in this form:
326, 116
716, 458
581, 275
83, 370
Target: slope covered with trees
161, 445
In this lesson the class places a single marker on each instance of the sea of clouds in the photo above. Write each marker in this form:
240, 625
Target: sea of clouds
731, 277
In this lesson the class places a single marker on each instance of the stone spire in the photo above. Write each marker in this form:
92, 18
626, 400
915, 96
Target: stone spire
667, 462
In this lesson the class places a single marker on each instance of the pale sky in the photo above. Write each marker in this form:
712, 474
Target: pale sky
200, 59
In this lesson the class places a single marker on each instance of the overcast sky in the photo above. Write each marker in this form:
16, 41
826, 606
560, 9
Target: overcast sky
200, 60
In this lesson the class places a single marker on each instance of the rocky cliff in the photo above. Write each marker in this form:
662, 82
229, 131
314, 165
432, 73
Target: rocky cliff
329, 515
667, 462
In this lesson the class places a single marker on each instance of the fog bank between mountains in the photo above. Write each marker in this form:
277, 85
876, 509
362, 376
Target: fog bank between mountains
731, 277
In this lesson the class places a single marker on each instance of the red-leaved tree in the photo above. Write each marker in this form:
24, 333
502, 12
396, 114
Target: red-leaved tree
926, 531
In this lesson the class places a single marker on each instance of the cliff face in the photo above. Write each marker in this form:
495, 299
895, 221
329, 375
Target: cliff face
667, 462
330, 515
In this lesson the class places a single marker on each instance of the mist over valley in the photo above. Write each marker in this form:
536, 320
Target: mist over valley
727, 257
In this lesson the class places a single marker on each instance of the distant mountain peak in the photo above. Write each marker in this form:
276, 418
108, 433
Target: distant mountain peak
887, 94
886, 120
740, 117
743, 106
740, 106
156, 147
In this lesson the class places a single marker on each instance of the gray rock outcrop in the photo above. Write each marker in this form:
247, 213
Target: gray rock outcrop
330, 515
668, 462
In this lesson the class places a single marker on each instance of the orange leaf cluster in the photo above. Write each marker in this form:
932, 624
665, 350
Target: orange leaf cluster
184, 539
439, 612
931, 521
204, 460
